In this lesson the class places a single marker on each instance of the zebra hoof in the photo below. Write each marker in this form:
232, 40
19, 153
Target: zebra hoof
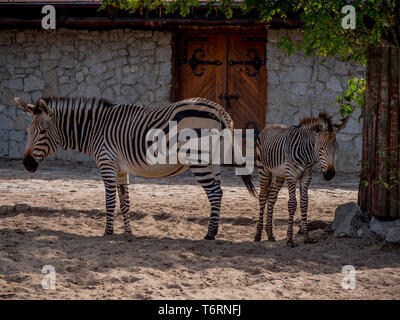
128, 236
290, 244
272, 239
257, 238
209, 237
107, 233
128, 231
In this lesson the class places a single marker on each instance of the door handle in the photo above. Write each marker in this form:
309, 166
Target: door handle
227, 98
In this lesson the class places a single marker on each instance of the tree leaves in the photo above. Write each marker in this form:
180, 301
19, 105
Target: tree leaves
353, 97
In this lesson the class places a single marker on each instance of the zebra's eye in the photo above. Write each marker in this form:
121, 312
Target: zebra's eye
42, 131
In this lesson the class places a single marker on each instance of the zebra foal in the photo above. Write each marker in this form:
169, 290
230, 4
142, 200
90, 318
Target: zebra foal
115, 137
289, 153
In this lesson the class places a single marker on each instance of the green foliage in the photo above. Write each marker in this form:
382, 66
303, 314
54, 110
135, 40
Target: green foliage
323, 32
353, 97
377, 21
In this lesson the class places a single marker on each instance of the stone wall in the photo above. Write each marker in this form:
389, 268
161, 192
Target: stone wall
301, 85
123, 65
132, 66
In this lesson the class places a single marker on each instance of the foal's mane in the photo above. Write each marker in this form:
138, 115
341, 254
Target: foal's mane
100, 102
322, 117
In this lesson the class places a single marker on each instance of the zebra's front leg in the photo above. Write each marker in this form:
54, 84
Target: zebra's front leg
212, 187
292, 205
123, 194
304, 183
108, 174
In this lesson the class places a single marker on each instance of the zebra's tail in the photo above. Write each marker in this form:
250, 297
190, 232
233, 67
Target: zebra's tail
249, 183
247, 179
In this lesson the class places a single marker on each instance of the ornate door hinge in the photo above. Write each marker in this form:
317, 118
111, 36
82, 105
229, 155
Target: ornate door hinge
194, 61
256, 62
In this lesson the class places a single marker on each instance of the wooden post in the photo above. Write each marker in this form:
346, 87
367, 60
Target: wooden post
379, 191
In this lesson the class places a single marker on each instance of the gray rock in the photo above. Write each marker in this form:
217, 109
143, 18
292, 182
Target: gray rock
272, 78
285, 77
93, 91
16, 150
47, 65
3, 135
98, 69
323, 73
150, 45
17, 135
22, 122
6, 123
300, 88
54, 54
67, 62
381, 228
334, 84
341, 67
165, 68
33, 83
393, 235
163, 54
301, 74
13, 83
51, 83
349, 219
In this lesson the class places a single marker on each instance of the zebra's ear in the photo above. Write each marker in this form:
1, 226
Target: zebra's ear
27, 107
317, 127
341, 124
42, 106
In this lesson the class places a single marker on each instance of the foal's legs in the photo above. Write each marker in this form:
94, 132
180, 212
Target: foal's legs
272, 196
265, 182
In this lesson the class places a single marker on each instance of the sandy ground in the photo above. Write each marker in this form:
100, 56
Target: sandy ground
166, 257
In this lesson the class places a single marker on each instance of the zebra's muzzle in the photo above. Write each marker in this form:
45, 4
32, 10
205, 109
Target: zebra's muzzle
30, 164
329, 174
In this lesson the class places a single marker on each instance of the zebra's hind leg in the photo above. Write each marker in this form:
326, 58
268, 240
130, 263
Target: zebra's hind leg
205, 175
123, 194
273, 191
265, 182
108, 174
292, 205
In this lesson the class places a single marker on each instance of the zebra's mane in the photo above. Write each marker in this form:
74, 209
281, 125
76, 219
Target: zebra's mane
74, 100
322, 117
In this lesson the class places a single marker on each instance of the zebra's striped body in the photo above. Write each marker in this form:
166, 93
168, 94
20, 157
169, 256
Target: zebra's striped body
115, 137
289, 153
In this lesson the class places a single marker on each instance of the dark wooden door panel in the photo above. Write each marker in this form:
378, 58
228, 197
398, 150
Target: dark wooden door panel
247, 80
202, 66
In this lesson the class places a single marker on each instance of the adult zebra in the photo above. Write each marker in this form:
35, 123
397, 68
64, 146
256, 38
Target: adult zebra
115, 137
289, 153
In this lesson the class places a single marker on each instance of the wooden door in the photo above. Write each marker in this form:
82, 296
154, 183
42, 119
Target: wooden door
202, 66
247, 81
226, 68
